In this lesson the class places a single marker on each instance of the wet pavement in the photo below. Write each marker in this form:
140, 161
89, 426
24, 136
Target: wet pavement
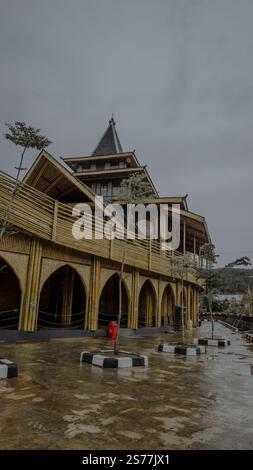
203, 402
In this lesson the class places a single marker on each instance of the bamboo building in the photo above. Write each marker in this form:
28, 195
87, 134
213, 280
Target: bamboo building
50, 280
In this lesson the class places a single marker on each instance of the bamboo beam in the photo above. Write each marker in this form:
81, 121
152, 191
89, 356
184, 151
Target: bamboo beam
40, 172
54, 183
54, 228
31, 304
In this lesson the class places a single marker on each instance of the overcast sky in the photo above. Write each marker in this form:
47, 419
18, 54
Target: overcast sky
176, 74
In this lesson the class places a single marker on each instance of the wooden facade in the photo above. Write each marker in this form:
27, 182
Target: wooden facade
48, 279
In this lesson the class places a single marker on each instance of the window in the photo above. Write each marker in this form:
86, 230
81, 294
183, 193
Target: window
100, 166
86, 166
116, 189
103, 189
114, 164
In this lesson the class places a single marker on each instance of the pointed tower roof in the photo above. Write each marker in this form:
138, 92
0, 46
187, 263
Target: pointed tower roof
109, 143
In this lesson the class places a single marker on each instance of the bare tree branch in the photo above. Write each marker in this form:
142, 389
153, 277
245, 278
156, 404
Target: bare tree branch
26, 137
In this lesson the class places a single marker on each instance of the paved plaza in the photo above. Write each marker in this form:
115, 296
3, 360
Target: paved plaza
178, 402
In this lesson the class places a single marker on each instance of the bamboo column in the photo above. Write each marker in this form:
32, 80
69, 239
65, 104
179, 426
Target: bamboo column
194, 302
133, 314
197, 305
29, 313
188, 312
178, 289
184, 238
159, 306
94, 291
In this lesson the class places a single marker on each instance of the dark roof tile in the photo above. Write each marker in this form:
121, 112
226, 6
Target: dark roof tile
109, 144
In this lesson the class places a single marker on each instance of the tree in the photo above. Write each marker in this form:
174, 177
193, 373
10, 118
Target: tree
234, 281
206, 271
181, 266
26, 137
247, 300
134, 190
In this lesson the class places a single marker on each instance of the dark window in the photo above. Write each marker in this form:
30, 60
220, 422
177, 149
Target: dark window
103, 189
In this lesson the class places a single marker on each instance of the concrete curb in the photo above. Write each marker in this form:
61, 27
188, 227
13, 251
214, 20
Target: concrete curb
44, 335
8, 369
186, 350
219, 342
101, 360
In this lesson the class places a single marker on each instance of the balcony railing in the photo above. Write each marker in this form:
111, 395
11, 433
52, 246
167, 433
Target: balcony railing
33, 212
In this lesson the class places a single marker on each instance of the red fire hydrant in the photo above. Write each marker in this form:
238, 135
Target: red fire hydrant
112, 329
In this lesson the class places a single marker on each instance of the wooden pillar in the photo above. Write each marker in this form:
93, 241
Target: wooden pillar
159, 305
194, 302
133, 311
22, 311
67, 300
178, 290
188, 311
111, 248
94, 291
197, 305
184, 239
29, 312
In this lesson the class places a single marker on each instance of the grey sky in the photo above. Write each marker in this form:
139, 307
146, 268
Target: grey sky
177, 74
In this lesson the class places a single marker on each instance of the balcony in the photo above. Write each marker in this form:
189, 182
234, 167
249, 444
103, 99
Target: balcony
36, 214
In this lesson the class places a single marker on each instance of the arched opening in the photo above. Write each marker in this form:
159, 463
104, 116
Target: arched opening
62, 300
147, 306
109, 303
10, 297
167, 306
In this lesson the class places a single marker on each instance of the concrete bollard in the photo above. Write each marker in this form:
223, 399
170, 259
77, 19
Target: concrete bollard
8, 369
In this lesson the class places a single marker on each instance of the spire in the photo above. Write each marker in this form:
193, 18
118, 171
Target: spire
109, 143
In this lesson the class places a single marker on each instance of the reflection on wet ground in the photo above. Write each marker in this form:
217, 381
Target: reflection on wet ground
202, 402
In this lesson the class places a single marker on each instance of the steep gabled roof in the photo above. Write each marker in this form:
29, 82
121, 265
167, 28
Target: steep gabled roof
109, 143
50, 177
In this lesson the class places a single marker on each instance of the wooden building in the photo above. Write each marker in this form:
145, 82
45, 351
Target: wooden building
48, 279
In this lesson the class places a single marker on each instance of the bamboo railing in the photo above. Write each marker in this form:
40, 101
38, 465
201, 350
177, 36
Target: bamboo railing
33, 212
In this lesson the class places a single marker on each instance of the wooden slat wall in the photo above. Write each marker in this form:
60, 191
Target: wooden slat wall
36, 213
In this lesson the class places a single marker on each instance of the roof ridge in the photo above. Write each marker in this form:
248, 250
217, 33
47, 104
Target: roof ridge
109, 142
